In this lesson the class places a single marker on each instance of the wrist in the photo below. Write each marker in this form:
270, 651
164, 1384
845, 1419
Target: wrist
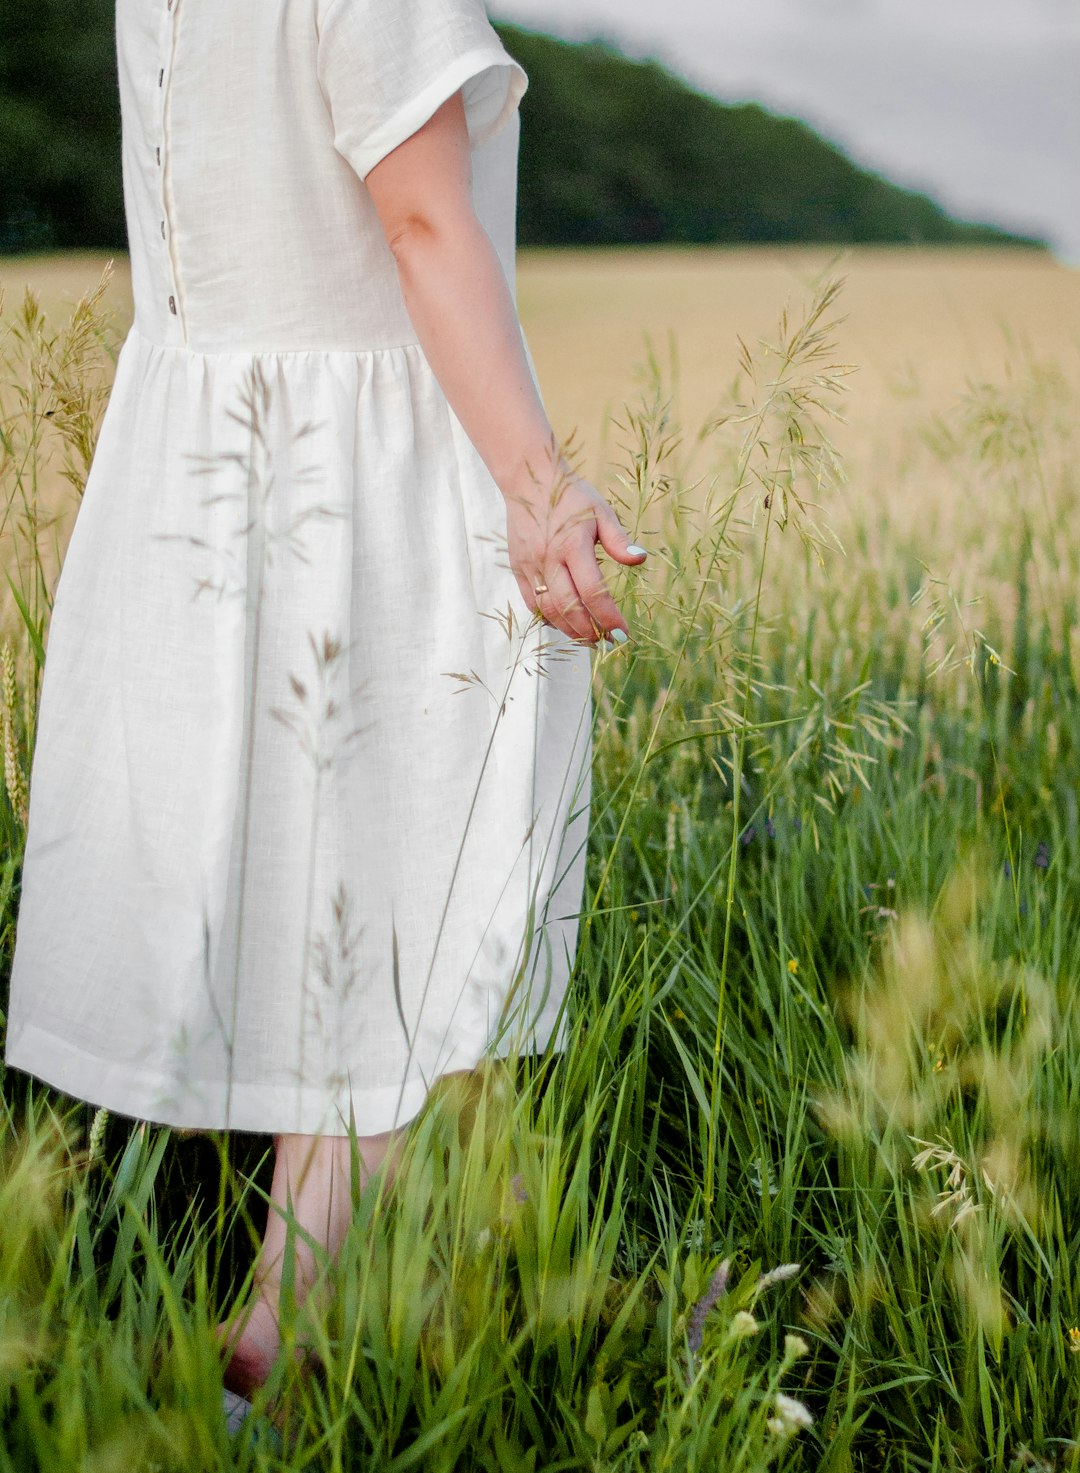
533, 476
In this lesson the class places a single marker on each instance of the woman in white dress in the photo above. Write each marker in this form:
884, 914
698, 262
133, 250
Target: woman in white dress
305, 827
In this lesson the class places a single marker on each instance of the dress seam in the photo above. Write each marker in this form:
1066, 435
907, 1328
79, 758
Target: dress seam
315, 350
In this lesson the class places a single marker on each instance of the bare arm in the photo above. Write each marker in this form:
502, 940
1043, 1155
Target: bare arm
463, 313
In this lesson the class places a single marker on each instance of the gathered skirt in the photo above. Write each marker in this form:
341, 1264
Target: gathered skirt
310, 791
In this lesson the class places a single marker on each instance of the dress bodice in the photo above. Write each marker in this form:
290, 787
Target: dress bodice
247, 129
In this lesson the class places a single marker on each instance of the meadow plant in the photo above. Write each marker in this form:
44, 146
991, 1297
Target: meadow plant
54, 382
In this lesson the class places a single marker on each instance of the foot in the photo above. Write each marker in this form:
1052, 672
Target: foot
251, 1348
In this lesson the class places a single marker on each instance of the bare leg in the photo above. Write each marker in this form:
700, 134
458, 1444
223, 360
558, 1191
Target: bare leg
314, 1170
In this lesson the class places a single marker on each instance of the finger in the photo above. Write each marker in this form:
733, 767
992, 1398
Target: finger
527, 581
527, 586
592, 589
561, 606
614, 539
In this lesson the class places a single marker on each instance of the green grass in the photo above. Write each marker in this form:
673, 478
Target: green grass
824, 1015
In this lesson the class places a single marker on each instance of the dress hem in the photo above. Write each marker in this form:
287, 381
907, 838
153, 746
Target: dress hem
142, 1094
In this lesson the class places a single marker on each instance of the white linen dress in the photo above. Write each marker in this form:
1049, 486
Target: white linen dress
310, 791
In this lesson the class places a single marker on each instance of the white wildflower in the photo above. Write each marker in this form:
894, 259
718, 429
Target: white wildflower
742, 1325
791, 1417
794, 1347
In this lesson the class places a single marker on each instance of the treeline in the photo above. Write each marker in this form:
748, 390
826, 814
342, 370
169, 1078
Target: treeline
613, 151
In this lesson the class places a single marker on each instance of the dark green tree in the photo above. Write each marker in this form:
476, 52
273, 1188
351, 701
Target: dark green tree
615, 151
59, 126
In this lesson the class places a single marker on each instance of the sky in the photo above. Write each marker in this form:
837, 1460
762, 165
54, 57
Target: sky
977, 102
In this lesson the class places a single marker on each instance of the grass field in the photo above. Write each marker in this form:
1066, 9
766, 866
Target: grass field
804, 1191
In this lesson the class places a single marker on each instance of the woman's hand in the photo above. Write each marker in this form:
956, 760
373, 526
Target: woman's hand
551, 539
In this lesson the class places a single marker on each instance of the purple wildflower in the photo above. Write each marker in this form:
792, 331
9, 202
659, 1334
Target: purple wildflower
1042, 857
746, 838
695, 1325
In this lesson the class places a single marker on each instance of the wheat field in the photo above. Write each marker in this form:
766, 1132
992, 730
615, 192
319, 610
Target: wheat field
921, 327
920, 322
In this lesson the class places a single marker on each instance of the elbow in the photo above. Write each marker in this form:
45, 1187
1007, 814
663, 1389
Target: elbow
417, 227
425, 230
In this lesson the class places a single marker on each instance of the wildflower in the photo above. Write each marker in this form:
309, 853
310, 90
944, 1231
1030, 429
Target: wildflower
746, 838
1042, 857
791, 1416
795, 1347
770, 828
695, 1326
679, 1016
517, 1186
793, 966
1072, 1340
777, 1275
634, 917
796, 824
1006, 870
743, 1325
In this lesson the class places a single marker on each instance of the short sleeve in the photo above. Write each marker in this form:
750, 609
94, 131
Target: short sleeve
385, 66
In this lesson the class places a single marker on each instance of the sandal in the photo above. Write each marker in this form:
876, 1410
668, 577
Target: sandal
240, 1419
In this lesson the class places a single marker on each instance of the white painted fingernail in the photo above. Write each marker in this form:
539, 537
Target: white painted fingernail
635, 551
617, 636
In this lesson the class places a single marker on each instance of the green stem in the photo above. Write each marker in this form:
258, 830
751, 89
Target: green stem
729, 898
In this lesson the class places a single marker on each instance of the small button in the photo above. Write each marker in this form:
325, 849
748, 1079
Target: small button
172, 305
